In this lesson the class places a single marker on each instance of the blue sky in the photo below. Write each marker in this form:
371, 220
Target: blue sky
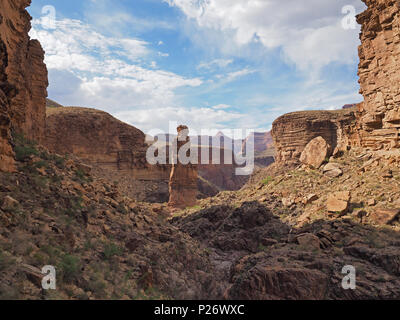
211, 64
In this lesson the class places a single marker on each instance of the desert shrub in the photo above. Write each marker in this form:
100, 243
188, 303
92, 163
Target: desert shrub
267, 180
5, 261
70, 268
24, 148
111, 250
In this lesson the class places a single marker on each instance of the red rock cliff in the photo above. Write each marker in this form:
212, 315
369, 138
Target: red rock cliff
379, 72
24, 78
293, 131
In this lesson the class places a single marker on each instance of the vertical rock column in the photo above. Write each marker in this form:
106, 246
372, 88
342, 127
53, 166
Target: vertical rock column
183, 181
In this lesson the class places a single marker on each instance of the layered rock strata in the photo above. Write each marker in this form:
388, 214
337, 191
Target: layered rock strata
293, 131
379, 67
23, 79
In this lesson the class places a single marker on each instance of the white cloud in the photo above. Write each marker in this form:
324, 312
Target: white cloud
111, 71
232, 76
217, 63
195, 118
309, 32
221, 107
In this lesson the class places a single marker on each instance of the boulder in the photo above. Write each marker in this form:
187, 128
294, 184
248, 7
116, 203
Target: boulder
338, 202
310, 198
332, 170
309, 241
9, 204
315, 153
288, 202
384, 216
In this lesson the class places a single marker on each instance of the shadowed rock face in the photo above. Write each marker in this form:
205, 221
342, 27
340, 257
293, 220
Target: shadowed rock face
379, 74
293, 131
24, 79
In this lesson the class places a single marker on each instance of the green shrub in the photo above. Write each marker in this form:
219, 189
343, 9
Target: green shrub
111, 250
70, 268
24, 152
267, 180
5, 261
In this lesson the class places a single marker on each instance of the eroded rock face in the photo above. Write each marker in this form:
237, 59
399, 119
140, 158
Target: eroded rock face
292, 132
23, 87
6, 152
183, 181
379, 74
116, 150
94, 136
26, 70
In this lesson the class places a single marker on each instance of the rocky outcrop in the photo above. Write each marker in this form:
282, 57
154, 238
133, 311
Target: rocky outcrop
183, 181
24, 79
94, 136
6, 153
116, 150
293, 131
26, 70
379, 123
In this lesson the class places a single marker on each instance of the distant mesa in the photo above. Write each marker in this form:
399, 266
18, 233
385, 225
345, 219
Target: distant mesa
52, 104
349, 106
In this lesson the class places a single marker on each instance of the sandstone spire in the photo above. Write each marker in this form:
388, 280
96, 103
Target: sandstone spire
183, 180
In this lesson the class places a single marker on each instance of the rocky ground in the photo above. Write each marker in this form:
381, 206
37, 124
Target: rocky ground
277, 239
103, 245
274, 239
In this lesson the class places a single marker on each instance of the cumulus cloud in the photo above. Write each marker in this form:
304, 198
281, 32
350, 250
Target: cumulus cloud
309, 32
196, 118
109, 72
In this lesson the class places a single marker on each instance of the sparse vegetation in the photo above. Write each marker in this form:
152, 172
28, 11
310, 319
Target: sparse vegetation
70, 268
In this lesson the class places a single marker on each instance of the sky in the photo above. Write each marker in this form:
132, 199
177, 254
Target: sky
209, 64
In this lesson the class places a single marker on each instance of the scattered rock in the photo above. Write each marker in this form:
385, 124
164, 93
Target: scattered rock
332, 170
315, 153
310, 199
387, 174
288, 202
309, 241
32, 273
384, 216
86, 169
371, 202
338, 202
9, 204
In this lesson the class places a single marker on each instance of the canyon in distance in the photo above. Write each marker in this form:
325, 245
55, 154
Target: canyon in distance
78, 192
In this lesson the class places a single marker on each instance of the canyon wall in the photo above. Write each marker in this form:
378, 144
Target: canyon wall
293, 131
117, 152
23, 79
379, 72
